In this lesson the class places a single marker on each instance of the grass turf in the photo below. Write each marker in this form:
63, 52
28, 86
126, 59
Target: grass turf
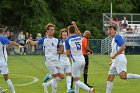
22, 66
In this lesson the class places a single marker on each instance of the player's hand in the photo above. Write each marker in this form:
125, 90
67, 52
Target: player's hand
21, 46
91, 52
74, 24
113, 57
28, 41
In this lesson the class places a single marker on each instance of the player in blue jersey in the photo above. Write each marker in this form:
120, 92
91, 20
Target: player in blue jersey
3, 59
73, 46
52, 48
119, 61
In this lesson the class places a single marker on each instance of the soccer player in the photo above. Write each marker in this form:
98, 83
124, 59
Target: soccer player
64, 61
3, 59
119, 61
86, 51
51, 46
73, 46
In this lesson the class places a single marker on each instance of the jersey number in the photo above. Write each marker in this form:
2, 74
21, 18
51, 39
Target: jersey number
78, 45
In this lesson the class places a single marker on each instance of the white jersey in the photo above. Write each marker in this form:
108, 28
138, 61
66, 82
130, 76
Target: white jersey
50, 46
3, 52
74, 44
63, 57
117, 42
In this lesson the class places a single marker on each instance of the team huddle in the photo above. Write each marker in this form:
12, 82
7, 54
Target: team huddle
60, 52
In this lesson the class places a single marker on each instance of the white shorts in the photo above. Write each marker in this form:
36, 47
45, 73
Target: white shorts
118, 66
77, 68
67, 69
54, 67
4, 70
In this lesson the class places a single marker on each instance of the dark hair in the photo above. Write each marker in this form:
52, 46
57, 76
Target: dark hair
1, 31
61, 31
112, 27
71, 29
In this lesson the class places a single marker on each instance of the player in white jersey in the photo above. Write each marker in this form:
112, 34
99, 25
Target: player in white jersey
51, 46
119, 61
64, 61
3, 59
73, 46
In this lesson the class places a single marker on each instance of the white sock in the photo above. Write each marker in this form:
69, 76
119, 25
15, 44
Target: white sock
68, 81
9, 82
82, 85
54, 84
109, 86
49, 83
133, 76
46, 85
76, 89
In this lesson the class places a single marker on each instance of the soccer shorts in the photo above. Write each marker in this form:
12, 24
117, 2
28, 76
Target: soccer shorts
118, 66
4, 70
77, 68
54, 67
67, 69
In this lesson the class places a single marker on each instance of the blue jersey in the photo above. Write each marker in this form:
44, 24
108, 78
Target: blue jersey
3, 52
74, 44
50, 47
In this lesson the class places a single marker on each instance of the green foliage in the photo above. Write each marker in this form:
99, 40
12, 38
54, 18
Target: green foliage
33, 15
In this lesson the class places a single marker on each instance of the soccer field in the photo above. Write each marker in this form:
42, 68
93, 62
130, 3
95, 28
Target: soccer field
27, 73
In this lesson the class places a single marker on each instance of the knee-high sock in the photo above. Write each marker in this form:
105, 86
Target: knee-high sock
109, 87
54, 84
68, 81
133, 76
10, 84
85, 78
76, 89
82, 85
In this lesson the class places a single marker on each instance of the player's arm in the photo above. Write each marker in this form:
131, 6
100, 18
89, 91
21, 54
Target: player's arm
61, 49
86, 45
68, 53
67, 46
122, 48
77, 31
14, 43
5, 41
31, 42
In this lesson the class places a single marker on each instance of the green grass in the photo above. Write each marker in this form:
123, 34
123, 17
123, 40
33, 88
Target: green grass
98, 69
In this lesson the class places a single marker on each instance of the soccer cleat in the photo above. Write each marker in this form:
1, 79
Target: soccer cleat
3, 90
92, 90
45, 88
70, 90
48, 76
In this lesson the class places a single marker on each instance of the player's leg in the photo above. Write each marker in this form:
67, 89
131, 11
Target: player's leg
122, 68
4, 71
67, 70
109, 85
111, 75
47, 77
76, 73
54, 72
85, 75
9, 82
